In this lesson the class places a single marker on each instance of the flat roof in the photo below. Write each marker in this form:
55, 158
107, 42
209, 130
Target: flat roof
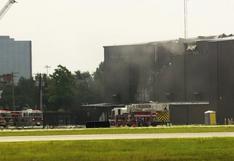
214, 38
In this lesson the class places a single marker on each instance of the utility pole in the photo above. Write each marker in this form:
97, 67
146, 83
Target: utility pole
185, 19
13, 89
41, 92
40, 84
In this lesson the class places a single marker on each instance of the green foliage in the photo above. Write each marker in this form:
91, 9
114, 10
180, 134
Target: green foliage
68, 91
25, 94
99, 82
6, 100
84, 88
61, 89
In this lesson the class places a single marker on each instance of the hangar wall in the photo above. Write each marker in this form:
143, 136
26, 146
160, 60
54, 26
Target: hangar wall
195, 70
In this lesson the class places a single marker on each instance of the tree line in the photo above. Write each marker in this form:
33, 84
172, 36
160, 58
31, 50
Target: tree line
62, 90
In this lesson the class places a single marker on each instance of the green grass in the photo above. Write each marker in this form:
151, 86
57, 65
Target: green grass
173, 129
206, 149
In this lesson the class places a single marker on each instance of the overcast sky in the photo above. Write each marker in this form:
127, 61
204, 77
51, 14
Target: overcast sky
73, 32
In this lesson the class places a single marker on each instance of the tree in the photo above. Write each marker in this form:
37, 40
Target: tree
84, 92
6, 98
61, 89
98, 76
25, 93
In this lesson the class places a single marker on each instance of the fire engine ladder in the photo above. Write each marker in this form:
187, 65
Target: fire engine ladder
6, 7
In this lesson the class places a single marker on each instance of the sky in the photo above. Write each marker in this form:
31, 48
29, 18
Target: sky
73, 32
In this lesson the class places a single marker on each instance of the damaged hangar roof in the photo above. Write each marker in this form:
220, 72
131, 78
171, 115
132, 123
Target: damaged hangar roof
215, 38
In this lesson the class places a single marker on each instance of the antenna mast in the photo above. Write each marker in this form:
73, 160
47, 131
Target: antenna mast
185, 19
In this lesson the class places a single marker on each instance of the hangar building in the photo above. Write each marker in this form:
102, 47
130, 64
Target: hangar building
194, 75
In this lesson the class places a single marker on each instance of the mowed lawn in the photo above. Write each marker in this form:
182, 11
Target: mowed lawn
207, 149
172, 129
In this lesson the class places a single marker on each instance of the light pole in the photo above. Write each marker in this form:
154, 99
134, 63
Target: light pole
47, 69
40, 84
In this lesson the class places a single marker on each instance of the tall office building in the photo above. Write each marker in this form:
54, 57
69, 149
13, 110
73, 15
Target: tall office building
15, 57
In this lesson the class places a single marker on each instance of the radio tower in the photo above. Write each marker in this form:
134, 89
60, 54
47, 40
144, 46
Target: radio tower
185, 19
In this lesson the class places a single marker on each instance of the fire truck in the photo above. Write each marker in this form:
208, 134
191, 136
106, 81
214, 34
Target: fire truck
27, 117
146, 114
5, 118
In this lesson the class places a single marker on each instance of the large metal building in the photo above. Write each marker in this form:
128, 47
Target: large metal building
15, 57
194, 75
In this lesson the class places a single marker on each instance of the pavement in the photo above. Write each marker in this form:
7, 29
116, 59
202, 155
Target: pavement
114, 136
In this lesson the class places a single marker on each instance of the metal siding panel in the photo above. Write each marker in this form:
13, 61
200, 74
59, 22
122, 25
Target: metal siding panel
126, 70
170, 76
197, 74
226, 80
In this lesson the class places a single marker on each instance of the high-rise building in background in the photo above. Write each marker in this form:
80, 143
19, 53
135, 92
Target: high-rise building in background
15, 57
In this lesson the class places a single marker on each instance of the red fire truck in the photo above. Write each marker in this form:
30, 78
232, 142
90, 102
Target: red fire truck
27, 117
147, 114
5, 118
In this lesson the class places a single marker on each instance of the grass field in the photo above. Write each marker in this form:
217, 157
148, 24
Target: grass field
212, 149
173, 129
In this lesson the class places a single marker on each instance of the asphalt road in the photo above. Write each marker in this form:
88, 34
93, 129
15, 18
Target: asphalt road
113, 136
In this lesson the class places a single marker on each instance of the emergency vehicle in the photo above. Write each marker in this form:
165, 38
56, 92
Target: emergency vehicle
146, 114
5, 118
